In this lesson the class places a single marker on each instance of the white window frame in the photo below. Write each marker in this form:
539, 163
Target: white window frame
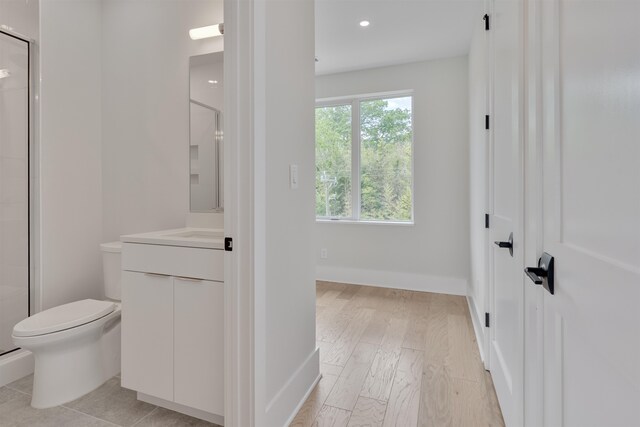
356, 142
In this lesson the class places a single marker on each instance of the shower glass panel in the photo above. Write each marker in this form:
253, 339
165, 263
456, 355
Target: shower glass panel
14, 186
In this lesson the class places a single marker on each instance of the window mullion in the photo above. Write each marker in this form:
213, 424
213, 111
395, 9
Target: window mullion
355, 159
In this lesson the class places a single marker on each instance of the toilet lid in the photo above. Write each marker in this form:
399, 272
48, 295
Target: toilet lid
63, 317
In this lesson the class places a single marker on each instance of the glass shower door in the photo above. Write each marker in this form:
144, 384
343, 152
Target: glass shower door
14, 186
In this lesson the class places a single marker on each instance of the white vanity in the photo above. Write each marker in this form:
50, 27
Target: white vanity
173, 319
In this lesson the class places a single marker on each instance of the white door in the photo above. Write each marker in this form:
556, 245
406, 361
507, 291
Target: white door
591, 199
506, 332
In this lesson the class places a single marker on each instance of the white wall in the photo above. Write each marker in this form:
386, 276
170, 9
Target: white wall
20, 16
478, 174
433, 254
287, 361
70, 165
145, 109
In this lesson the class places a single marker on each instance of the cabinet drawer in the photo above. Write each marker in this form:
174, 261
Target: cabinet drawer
180, 261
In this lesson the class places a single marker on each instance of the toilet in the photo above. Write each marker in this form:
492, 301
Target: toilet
76, 346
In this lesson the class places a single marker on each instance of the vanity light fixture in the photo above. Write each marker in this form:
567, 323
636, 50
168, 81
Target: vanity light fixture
364, 23
213, 82
206, 32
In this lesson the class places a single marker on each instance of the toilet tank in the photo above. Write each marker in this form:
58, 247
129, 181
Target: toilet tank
111, 269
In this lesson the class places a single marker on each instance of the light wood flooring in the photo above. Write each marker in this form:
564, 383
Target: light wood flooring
397, 358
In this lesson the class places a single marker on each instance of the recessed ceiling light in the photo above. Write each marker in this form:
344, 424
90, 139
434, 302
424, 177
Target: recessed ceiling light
4, 73
213, 82
364, 23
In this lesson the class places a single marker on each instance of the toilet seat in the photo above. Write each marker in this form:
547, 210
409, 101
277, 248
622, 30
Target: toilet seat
63, 317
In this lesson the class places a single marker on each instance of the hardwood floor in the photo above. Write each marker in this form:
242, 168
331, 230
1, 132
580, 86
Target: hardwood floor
397, 358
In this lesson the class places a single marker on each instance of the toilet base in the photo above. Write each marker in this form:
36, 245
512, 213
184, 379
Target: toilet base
72, 363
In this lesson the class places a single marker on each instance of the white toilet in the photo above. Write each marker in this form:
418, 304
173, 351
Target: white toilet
76, 346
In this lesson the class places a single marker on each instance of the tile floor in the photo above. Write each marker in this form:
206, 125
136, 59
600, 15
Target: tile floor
108, 405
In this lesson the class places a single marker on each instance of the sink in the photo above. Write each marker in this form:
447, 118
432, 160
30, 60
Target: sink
197, 234
187, 237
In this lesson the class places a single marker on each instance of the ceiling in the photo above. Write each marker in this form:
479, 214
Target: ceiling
401, 31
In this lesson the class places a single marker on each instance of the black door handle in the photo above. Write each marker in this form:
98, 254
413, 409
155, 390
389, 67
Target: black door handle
535, 274
543, 274
504, 244
507, 245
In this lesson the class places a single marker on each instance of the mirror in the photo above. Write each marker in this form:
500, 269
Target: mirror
206, 95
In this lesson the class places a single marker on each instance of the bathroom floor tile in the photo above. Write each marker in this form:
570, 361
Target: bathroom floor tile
18, 412
108, 405
165, 418
112, 403
25, 385
6, 394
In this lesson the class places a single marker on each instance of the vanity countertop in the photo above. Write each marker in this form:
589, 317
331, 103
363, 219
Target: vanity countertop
209, 238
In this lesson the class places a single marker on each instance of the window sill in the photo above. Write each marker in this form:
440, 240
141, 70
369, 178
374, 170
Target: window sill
361, 222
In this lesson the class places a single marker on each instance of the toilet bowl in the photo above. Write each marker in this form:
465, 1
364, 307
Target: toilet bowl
76, 346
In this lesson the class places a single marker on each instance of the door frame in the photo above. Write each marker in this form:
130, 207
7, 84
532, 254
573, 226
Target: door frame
239, 339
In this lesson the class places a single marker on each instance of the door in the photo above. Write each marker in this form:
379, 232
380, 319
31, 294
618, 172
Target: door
199, 344
147, 333
506, 201
591, 212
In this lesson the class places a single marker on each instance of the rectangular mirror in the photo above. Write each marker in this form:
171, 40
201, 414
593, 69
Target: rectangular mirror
206, 137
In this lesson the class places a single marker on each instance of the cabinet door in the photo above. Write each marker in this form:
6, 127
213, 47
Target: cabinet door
199, 344
147, 334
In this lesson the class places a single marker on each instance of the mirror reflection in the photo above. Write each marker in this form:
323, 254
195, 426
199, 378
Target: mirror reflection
206, 136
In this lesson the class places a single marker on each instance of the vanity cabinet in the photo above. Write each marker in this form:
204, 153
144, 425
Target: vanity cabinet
173, 324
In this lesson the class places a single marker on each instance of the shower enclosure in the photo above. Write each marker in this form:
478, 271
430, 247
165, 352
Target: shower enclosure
14, 185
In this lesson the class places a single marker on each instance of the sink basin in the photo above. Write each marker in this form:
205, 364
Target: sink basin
187, 237
197, 234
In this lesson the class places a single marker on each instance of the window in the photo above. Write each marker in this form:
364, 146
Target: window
364, 149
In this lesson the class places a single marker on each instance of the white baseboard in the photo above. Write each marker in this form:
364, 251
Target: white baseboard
14, 366
287, 402
393, 279
304, 399
478, 328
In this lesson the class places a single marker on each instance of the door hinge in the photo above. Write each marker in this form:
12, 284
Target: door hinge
486, 220
228, 244
486, 122
487, 323
486, 21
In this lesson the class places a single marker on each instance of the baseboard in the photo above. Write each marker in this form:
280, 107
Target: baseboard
14, 366
304, 399
287, 402
393, 279
478, 327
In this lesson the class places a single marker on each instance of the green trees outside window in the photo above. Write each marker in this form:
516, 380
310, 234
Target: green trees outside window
384, 154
